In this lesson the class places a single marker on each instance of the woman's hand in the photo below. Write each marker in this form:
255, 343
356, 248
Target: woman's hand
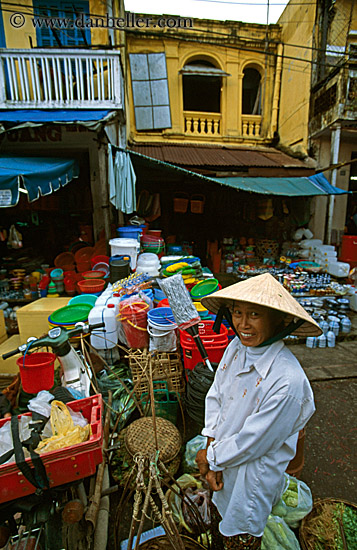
215, 480
201, 461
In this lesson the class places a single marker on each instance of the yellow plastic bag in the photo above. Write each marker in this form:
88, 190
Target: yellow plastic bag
65, 433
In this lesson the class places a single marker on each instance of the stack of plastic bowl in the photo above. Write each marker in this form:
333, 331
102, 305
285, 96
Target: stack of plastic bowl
149, 264
152, 243
204, 288
94, 274
57, 277
69, 315
65, 261
129, 232
91, 286
83, 258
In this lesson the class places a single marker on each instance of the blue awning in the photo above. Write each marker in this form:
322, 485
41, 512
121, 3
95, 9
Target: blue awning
287, 187
19, 116
283, 186
36, 175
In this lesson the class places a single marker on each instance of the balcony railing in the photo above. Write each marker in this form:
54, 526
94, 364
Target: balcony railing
251, 125
57, 79
203, 124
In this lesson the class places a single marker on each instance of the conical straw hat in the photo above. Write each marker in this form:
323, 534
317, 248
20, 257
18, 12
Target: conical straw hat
266, 291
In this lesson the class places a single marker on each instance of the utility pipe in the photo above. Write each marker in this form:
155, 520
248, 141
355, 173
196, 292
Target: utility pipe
276, 94
335, 150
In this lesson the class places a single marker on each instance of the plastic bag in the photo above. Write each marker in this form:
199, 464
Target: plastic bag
65, 433
41, 403
6, 443
295, 502
278, 536
15, 238
192, 447
197, 494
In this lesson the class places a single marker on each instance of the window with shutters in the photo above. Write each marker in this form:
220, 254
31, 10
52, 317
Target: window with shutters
150, 91
65, 36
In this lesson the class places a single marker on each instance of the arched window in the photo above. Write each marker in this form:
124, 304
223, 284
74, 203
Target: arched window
251, 102
202, 83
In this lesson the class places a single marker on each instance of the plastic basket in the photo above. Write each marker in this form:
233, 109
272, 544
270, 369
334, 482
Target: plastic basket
90, 286
166, 402
207, 335
166, 366
191, 355
65, 465
181, 203
197, 204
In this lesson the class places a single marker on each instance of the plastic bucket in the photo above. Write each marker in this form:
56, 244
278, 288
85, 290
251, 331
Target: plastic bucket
118, 269
125, 247
37, 371
129, 232
133, 318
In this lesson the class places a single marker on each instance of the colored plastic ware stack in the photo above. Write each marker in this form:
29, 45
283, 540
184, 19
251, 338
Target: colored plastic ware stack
129, 232
83, 258
65, 261
152, 243
215, 344
91, 286
65, 465
204, 288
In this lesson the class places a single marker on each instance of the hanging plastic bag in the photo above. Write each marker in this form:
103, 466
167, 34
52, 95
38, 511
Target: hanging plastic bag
278, 536
6, 443
65, 433
295, 502
15, 238
192, 447
197, 494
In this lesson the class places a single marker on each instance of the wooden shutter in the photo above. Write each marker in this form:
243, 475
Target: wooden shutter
150, 91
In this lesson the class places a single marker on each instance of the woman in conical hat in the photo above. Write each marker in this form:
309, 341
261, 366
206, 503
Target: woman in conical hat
259, 401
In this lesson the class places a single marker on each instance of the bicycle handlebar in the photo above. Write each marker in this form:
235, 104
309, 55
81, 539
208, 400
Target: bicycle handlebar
52, 340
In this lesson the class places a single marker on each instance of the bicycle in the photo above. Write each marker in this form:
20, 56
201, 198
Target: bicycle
57, 510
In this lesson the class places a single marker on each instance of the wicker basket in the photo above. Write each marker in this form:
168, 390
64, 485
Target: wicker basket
162, 543
305, 539
122, 463
165, 367
266, 248
140, 438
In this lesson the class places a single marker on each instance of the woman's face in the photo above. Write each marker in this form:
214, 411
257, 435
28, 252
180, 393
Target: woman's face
254, 324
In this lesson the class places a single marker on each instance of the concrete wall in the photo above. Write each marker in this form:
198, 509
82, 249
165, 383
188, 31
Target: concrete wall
297, 21
232, 58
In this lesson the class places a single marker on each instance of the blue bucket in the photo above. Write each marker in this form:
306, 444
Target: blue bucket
161, 316
129, 232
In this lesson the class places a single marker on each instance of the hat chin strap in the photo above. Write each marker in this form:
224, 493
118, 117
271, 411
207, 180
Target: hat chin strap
224, 312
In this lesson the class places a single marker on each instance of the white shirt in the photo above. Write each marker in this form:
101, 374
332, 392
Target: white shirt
258, 402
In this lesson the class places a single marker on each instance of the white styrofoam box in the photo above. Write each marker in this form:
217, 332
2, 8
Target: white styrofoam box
338, 269
353, 301
125, 247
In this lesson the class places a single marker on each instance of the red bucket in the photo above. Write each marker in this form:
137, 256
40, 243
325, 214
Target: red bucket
133, 317
37, 371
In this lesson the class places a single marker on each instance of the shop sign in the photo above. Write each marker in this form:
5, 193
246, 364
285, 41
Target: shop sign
5, 197
34, 135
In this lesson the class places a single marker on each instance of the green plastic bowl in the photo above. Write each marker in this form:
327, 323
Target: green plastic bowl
89, 299
204, 288
70, 314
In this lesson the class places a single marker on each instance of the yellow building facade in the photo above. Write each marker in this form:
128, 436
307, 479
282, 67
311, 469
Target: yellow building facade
223, 82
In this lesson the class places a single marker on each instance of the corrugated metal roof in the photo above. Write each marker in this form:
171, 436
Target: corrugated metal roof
204, 155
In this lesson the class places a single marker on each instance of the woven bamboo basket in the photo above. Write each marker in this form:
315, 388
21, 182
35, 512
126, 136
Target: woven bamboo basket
165, 367
266, 248
122, 463
140, 438
162, 543
306, 540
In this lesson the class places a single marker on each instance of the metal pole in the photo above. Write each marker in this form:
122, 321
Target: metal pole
335, 149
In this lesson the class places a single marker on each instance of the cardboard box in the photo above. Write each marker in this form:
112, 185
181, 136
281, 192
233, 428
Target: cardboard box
32, 319
9, 366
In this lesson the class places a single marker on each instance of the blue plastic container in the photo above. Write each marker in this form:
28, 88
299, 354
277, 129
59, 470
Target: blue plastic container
129, 232
149, 293
159, 295
161, 316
